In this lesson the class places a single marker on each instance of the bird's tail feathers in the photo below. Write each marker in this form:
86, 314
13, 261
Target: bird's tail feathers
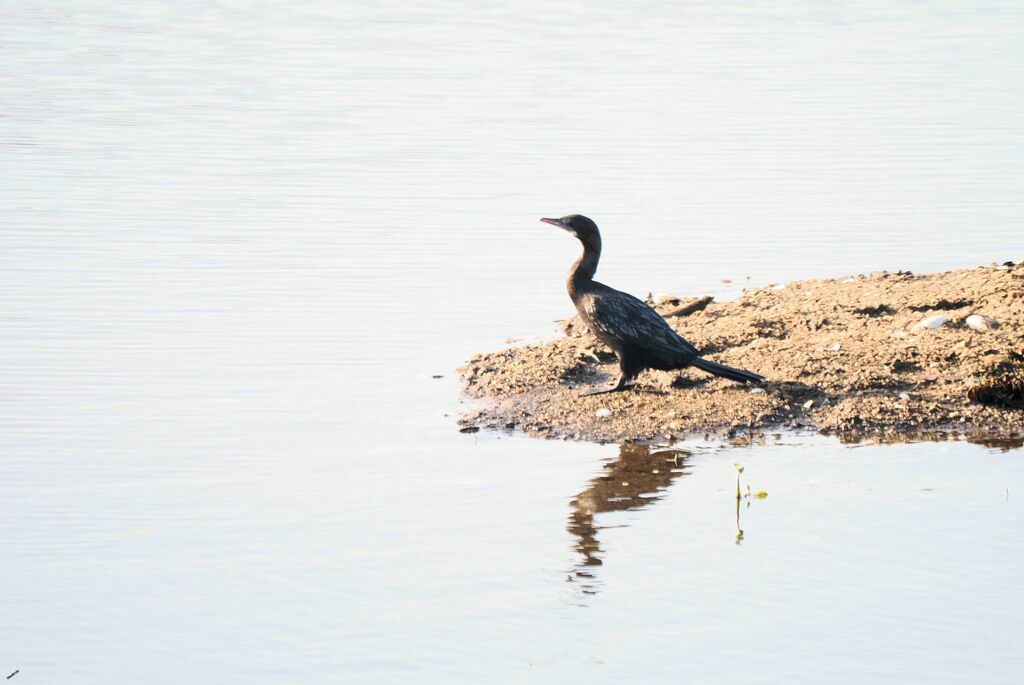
738, 375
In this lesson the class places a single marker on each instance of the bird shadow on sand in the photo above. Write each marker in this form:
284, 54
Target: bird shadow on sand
684, 382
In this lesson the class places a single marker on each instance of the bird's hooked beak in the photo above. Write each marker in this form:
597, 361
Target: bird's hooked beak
556, 222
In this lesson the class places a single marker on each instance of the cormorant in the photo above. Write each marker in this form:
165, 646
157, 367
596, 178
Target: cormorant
640, 338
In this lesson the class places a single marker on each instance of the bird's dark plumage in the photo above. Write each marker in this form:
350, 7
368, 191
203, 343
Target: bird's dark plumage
640, 338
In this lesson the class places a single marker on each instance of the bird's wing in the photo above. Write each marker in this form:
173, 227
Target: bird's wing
620, 316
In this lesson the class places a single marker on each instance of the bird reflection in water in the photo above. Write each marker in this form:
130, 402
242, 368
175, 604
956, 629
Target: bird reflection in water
634, 480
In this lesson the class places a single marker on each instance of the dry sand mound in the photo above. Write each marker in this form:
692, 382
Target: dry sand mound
888, 352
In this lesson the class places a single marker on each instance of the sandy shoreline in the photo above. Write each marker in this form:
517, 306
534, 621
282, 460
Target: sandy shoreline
881, 353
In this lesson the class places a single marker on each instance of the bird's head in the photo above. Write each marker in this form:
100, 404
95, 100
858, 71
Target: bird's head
578, 225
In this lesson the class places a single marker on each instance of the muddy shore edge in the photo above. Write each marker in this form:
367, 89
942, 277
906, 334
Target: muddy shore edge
884, 353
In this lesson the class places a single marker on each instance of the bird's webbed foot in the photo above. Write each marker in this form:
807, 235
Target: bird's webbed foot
619, 385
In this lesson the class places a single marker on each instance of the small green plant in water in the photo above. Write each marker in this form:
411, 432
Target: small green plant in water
744, 495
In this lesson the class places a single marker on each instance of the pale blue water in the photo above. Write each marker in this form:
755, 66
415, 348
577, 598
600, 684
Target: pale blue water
237, 240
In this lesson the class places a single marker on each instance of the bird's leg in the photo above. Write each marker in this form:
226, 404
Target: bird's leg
620, 385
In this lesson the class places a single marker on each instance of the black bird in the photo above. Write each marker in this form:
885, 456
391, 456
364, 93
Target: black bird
640, 338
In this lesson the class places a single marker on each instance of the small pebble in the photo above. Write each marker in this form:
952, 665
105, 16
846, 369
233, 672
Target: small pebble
779, 286
904, 396
981, 323
663, 298
835, 347
932, 322
603, 413
808, 404
756, 391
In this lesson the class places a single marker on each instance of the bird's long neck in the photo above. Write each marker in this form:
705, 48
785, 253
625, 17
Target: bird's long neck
582, 272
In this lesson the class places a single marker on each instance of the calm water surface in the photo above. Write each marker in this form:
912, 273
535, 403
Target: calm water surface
237, 241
